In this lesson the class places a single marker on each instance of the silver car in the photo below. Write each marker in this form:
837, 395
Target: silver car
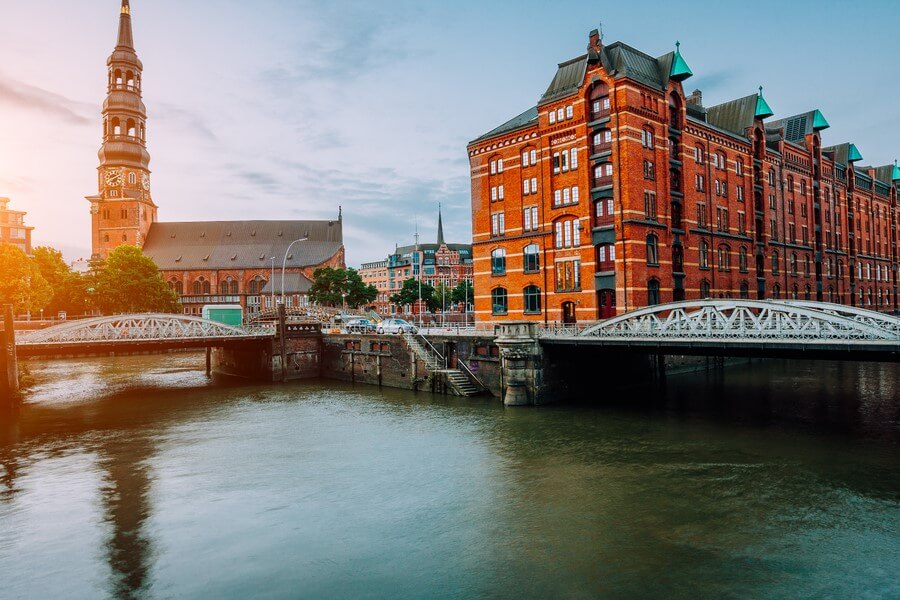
396, 326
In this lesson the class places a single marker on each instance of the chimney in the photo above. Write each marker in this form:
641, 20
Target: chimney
696, 98
595, 41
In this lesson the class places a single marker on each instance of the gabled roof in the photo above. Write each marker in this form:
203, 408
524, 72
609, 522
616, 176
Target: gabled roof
519, 121
621, 60
838, 153
887, 174
735, 115
241, 244
679, 70
569, 77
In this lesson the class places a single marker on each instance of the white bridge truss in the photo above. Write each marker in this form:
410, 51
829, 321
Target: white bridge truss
136, 328
751, 321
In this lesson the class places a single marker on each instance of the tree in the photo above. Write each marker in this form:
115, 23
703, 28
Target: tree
69, 289
333, 286
442, 293
130, 282
463, 293
21, 282
409, 294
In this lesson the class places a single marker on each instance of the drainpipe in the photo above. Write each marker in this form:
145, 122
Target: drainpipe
616, 191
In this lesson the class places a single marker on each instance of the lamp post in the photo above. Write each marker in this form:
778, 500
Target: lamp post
284, 263
272, 280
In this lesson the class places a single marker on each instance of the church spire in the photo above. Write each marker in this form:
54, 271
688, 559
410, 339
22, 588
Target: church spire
440, 239
126, 39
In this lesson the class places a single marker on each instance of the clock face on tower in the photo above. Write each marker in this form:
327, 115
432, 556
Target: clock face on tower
114, 178
145, 182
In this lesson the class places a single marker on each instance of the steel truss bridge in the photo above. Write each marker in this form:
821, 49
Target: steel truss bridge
788, 328
127, 333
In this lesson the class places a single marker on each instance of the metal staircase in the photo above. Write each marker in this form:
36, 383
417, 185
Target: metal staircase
461, 383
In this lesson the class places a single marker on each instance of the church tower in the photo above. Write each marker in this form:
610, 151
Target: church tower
122, 211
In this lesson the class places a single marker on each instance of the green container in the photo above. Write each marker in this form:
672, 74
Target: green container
229, 314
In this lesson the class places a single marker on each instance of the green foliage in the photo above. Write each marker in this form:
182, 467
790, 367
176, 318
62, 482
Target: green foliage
409, 294
442, 296
21, 282
332, 286
69, 289
130, 283
463, 293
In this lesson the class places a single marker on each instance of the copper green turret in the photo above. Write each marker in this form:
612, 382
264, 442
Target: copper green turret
895, 172
680, 69
763, 110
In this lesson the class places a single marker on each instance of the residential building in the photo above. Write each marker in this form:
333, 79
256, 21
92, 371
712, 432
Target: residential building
13, 229
618, 190
435, 264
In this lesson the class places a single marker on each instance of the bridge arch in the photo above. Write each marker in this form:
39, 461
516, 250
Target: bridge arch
758, 320
143, 327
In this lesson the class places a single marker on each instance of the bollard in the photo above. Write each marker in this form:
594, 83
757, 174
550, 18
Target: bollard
282, 333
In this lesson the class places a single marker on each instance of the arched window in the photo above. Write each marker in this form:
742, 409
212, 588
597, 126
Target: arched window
653, 292
776, 291
704, 255
132, 128
795, 292
647, 137
499, 304
772, 177
599, 100
704, 289
793, 263
129, 79
675, 110
698, 154
225, 285
202, 286
498, 261
124, 237
652, 250
678, 258
722, 160
256, 285
724, 258
739, 166
606, 257
775, 263
532, 299
567, 233
807, 294
531, 258
802, 187
790, 184
742, 259
132, 178
118, 77
745, 290
116, 126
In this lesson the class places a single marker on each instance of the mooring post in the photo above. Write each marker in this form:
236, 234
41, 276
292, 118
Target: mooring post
208, 360
282, 334
11, 375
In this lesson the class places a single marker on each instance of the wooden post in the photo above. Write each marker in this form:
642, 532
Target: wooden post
282, 334
208, 361
11, 376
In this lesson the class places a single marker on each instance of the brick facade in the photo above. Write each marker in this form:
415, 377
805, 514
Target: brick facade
618, 191
13, 229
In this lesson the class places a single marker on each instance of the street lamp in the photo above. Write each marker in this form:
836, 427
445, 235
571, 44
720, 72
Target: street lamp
272, 280
284, 263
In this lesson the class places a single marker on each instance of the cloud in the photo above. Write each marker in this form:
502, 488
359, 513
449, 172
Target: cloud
184, 119
714, 80
22, 95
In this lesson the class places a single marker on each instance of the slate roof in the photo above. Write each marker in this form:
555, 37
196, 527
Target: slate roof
735, 115
241, 244
569, 77
838, 153
465, 250
294, 283
797, 127
522, 120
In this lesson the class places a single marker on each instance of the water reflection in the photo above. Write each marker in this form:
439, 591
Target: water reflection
214, 488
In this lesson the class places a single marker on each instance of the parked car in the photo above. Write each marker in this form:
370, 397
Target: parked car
360, 325
396, 326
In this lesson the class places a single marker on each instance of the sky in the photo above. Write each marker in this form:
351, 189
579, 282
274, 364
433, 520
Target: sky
284, 109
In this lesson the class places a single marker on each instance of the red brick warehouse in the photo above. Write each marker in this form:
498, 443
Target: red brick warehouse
619, 191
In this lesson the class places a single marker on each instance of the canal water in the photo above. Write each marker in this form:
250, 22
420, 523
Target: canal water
140, 477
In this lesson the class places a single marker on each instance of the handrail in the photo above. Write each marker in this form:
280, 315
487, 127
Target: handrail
471, 374
458, 362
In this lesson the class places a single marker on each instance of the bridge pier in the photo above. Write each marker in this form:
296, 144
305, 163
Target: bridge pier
9, 378
521, 362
